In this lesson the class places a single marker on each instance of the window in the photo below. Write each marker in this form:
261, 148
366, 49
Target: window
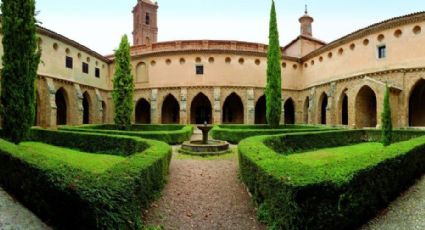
85, 68
382, 52
68, 62
97, 72
147, 19
199, 70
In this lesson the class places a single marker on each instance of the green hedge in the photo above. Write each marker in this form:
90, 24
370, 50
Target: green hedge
310, 191
235, 133
171, 134
69, 198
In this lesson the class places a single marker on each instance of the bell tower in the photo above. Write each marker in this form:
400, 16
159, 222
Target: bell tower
306, 22
145, 26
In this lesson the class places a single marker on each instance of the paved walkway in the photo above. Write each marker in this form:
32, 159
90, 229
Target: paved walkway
203, 194
13, 216
407, 212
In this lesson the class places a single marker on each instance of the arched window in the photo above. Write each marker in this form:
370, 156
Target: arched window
142, 72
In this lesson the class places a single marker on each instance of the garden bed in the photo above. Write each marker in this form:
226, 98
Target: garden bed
171, 134
76, 180
235, 133
328, 180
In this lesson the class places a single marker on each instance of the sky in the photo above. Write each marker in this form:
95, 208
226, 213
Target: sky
99, 24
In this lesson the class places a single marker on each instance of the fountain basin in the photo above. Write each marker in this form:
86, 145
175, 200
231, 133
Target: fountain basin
212, 147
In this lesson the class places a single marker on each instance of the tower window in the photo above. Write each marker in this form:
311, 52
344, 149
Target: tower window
68, 62
147, 19
382, 52
199, 70
85, 67
97, 72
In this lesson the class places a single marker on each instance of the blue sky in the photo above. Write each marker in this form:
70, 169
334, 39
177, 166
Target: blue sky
99, 24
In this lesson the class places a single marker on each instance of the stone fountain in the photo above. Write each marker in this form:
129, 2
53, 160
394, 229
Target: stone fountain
205, 146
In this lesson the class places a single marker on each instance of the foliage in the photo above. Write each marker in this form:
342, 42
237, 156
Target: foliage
122, 93
235, 133
111, 198
95, 163
20, 63
386, 121
274, 81
90, 142
171, 134
328, 188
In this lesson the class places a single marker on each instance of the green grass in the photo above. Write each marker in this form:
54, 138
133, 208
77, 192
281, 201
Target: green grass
337, 164
95, 163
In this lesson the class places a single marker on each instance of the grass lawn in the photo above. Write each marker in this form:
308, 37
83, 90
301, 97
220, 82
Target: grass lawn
337, 164
95, 163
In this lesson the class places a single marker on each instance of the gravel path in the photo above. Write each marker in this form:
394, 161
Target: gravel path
14, 216
407, 212
203, 194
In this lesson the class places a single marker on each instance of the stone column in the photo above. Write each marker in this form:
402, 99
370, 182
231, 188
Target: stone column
330, 109
183, 107
282, 116
312, 106
51, 103
217, 106
154, 106
99, 108
77, 115
250, 107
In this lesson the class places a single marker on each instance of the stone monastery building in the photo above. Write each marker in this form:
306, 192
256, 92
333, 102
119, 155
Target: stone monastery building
340, 83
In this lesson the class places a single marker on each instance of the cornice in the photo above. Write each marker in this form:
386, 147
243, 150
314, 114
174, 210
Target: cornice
374, 28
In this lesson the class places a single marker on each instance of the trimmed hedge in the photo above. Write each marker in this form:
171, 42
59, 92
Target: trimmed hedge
171, 134
69, 198
311, 191
235, 133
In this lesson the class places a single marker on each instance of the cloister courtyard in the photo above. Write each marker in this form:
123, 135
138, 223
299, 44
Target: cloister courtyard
212, 134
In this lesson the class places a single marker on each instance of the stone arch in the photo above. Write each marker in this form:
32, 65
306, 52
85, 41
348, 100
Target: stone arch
170, 111
260, 111
200, 110
86, 108
343, 108
104, 112
417, 104
142, 72
233, 110
322, 109
62, 107
289, 108
305, 109
143, 112
366, 108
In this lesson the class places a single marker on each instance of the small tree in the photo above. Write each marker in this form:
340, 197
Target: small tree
387, 127
274, 81
20, 64
123, 85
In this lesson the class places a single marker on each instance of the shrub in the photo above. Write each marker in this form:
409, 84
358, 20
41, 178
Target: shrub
327, 191
122, 93
70, 198
274, 77
174, 136
236, 133
387, 126
20, 63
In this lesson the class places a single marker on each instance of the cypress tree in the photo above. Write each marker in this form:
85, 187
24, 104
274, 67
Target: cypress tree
123, 85
20, 63
274, 81
387, 127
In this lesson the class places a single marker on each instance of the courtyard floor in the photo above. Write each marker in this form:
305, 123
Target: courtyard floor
206, 193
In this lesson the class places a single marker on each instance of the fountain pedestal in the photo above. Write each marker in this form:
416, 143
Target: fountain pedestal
205, 147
